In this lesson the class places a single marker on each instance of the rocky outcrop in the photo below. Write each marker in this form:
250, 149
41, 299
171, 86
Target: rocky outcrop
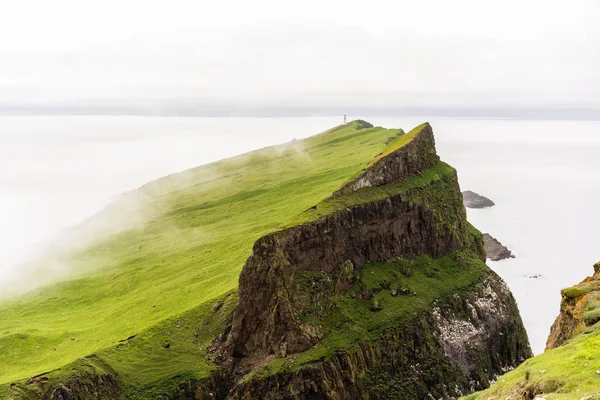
452, 348
267, 318
579, 309
455, 348
76, 386
92, 387
474, 200
412, 158
495, 250
362, 124
428, 319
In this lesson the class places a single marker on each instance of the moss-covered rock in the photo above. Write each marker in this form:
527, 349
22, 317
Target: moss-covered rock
450, 337
406, 155
379, 291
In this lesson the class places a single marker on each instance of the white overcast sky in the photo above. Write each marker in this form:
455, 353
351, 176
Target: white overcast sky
420, 53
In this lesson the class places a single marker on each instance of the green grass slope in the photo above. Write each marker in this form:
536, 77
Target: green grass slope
571, 369
160, 280
569, 372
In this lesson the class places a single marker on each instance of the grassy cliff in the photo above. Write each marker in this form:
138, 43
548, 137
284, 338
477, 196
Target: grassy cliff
568, 372
160, 280
364, 279
378, 291
570, 367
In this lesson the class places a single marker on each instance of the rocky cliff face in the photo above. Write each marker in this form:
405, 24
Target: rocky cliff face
579, 309
416, 154
267, 316
303, 285
379, 291
454, 348
88, 385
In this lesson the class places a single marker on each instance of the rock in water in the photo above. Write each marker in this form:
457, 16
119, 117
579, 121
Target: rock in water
494, 249
474, 200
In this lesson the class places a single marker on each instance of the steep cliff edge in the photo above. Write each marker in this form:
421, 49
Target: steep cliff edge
194, 233
408, 155
359, 227
570, 366
379, 290
579, 309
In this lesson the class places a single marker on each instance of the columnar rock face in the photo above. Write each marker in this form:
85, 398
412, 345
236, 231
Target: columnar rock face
579, 308
453, 347
103, 387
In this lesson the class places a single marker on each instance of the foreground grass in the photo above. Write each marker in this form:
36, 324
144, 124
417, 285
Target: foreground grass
570, 371
198, 229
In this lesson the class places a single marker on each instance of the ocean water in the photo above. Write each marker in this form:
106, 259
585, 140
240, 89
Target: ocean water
544, 177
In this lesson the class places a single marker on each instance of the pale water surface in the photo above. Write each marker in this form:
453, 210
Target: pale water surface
543, 175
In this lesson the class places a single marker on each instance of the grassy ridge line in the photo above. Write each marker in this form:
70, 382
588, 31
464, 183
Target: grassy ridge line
398, 142
371, 194
366, 195
202, 224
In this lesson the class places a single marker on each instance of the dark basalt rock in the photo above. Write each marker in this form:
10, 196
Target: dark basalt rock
455, 347
88, 387
494, 249
267, 315
474, 200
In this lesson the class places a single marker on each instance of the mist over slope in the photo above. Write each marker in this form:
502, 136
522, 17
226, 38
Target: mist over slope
200, 227
58, 171
153, 303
